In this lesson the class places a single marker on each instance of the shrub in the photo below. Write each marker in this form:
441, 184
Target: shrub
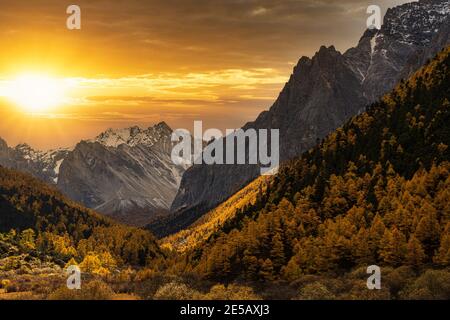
398, 279
94, 290
431, 285
176, 291
5, 283
231, 292
315, 291
359, 291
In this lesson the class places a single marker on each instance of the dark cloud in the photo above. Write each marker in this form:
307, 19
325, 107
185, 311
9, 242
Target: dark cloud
194, 35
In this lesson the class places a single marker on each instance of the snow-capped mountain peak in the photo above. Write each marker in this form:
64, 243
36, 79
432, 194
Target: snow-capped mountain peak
133, 136
413, 23
127, 173
42, 164
410, 32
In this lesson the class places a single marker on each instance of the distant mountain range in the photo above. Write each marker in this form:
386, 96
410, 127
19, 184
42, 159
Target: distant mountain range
322, 93
125, 173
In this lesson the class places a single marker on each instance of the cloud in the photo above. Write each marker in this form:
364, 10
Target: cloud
137, 62
259, 11
206, 88
165, 36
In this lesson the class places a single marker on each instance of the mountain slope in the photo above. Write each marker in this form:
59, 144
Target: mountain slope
44, 165
375, 191
127, 173
321, 94
64, 229
214, 220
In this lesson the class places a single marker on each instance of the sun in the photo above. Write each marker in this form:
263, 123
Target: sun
35, 93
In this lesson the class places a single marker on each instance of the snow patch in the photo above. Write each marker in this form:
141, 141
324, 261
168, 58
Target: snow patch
57, 166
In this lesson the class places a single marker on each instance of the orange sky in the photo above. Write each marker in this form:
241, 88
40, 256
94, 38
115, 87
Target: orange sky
139, 62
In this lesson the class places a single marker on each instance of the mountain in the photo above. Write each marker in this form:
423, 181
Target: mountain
127, 173
214, 220
44, 165
374, 192
124, 173
321, 94
47, 224
409, 31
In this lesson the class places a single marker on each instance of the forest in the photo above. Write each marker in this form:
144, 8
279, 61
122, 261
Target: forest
375, 191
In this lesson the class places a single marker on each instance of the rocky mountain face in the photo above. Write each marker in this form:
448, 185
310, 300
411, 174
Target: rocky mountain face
125, 173
321, 94
44, 165
409, 31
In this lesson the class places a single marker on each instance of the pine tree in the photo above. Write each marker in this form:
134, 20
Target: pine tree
393, 247
376, 233
428, 230
415, 254
443, 255
266, 271
277, 253
292, 271
72, 262
361, 247
251, 265
27, 240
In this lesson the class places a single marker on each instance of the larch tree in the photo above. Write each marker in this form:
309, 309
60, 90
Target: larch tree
393, 247
428, 230
415, 254
266, 271
443, 254
277, 253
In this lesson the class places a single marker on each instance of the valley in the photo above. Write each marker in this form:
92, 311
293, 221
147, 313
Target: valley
307, 232
364, 180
